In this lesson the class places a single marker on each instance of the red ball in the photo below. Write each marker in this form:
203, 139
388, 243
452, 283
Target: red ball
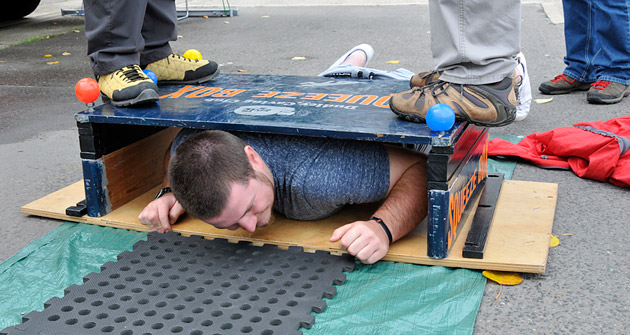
87, 90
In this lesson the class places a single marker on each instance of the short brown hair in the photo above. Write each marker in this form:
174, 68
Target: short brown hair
203, 169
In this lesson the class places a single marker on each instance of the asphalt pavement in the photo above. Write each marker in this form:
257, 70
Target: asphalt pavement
585, 289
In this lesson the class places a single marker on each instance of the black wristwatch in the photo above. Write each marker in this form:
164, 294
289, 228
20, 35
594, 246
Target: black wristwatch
162, 192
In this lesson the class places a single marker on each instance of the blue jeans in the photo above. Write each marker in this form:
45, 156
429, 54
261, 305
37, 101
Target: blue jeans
597, 38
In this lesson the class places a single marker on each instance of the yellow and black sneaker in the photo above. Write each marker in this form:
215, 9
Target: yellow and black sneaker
176, 69
128, 86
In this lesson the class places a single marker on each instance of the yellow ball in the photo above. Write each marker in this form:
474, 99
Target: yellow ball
192, 54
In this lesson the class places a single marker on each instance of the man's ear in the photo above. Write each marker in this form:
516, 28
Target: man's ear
254, 158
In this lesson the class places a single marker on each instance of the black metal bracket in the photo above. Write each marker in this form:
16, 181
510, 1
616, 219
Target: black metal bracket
78, 211
478, 234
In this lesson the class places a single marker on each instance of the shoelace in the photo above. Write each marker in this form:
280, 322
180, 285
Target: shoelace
183, 58
601, 84
426, 75
562, 77
443, 86
131, 74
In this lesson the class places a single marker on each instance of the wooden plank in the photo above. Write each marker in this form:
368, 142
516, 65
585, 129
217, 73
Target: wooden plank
518, 240
134, 169
444, 163
451, 206
54, 205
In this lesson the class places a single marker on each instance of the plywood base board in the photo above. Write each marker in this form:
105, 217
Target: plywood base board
518, 239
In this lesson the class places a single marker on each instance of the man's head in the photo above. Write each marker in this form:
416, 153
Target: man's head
221, 180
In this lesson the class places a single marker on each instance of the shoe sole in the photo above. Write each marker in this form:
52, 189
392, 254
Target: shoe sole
196, 81
146, 96
544, 90
413, 117
510, 116
600, 100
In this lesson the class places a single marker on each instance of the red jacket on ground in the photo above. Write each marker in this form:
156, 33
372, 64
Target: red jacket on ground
595, 150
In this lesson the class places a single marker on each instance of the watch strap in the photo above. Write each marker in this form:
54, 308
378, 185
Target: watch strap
385, 228
162, 192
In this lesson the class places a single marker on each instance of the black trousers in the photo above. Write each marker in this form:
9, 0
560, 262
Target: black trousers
127, 32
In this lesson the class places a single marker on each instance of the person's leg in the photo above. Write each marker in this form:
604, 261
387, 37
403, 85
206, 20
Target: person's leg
113, 31
523, 88
580, 43
353, 64
160, 27
581, 47
611, 63
359, 55
475, 41
356, 58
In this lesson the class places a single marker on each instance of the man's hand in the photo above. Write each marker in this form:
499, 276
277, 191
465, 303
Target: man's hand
161, 213
366, 240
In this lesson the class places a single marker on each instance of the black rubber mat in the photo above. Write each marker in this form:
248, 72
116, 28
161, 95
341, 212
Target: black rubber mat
173, 284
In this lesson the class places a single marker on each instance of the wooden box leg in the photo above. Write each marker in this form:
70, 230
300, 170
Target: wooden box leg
452, 201
122, 175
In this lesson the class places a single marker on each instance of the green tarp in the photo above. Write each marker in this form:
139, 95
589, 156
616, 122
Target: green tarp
376, 299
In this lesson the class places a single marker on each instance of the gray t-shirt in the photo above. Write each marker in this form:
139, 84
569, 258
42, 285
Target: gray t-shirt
316, 177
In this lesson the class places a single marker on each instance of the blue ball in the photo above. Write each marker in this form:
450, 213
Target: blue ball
151, 75
440, 117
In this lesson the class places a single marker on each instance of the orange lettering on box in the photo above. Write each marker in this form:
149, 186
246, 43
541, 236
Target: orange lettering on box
204, 92
337, 97
368, 99
265, 94
288, 95
228, 93
181, 91
314, 96
383, 102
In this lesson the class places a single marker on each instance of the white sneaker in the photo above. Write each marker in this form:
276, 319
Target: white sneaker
366, 48
523, 89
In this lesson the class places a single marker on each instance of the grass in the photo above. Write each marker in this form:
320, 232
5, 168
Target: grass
44, 37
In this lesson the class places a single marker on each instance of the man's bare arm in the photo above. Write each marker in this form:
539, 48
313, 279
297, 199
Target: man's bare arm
403, 209
406, 204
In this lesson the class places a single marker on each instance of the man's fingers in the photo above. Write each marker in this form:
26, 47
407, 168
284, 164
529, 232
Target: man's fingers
366, 253
340, 232
355, 245
363, 240
161, 213
163, 219
175, 212
148, 218
375, 257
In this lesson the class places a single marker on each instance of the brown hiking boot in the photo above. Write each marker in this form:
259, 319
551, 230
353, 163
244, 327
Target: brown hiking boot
563, 84
607, 92
176, 69
424, 78
490, 105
